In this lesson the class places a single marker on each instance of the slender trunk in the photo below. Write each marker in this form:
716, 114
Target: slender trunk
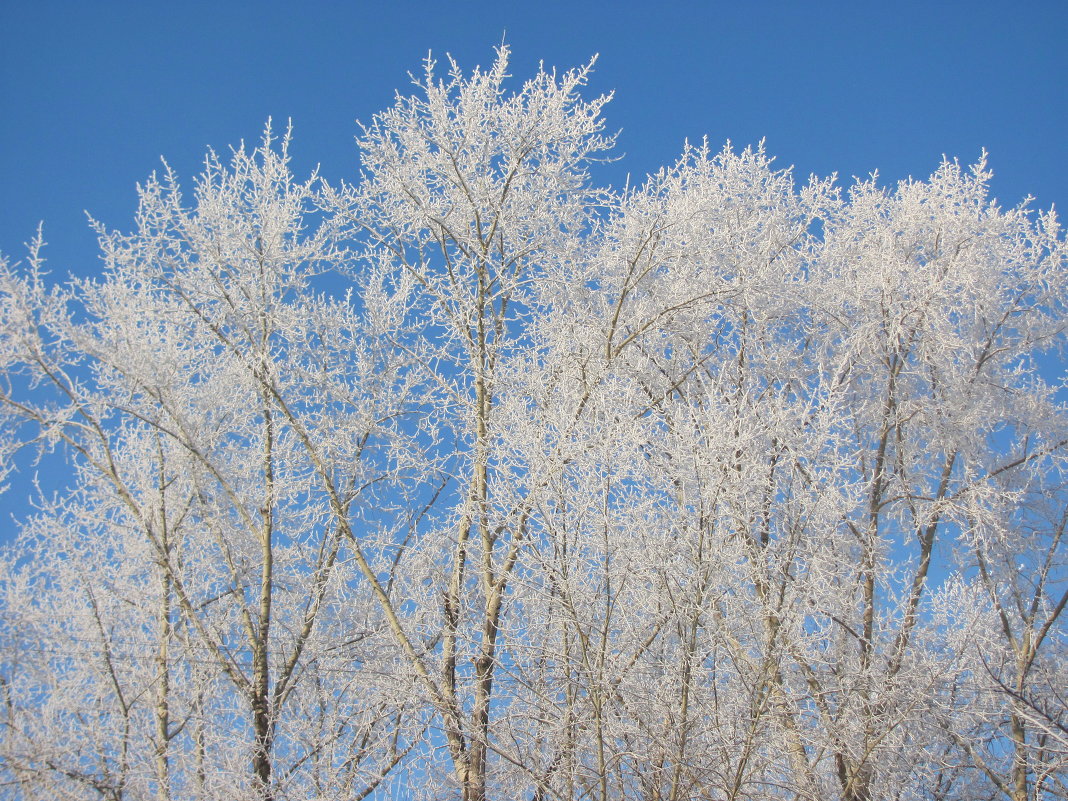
163, 676
689, 655
1017, 726
163, 691
262, 723
486, 659
1020, 767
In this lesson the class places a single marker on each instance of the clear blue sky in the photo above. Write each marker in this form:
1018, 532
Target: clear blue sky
93, 93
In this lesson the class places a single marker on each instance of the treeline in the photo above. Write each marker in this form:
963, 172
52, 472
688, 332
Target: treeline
473, 479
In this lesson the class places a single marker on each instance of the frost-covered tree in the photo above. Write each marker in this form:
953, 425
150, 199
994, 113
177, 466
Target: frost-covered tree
190, 593
468, 478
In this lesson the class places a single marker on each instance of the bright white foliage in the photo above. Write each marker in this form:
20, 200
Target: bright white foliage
470, 479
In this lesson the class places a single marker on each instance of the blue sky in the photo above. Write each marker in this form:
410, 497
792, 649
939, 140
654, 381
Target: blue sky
92, 94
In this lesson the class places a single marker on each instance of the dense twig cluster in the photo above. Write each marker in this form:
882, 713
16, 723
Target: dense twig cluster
470, 479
